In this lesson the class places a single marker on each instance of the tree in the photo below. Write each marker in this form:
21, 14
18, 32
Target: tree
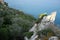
3, 34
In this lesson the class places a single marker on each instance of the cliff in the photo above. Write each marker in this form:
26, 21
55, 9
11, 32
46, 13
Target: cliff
45, 28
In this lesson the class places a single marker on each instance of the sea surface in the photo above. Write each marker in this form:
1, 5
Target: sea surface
36, 7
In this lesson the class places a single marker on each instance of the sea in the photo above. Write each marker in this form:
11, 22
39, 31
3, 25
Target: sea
36, 7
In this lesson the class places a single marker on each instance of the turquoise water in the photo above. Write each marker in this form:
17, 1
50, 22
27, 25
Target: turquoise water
36, 7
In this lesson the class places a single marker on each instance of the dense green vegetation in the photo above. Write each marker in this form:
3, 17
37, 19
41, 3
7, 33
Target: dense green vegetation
14, 23
28, 34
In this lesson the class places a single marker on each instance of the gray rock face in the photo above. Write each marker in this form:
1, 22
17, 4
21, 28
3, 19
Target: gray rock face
46, 22
53, 38
2, 1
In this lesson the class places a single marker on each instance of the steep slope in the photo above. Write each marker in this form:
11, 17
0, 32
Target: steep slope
44, 28
14, 23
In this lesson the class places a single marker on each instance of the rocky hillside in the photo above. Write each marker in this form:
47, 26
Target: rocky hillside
44, 28
14, 23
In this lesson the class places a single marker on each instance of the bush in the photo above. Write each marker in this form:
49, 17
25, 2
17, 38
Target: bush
4, 34
28, 34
